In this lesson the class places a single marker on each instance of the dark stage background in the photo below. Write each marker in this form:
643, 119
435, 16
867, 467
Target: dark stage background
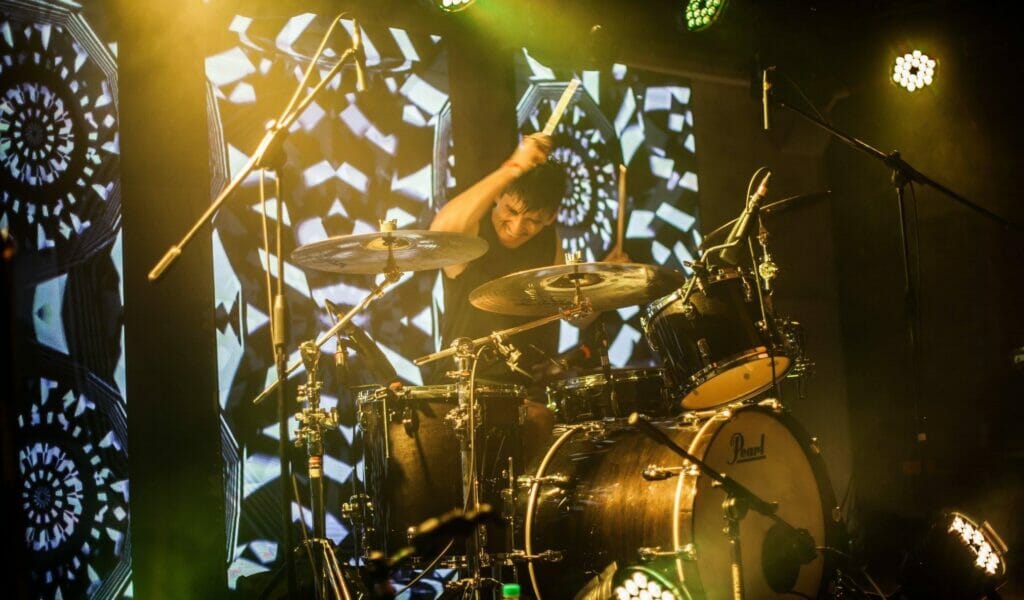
450, 94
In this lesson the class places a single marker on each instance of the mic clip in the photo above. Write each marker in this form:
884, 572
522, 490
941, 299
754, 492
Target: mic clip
511, 354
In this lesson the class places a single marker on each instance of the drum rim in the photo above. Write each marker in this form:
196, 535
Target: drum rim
369, 394
731, 362
646, 372
702, 440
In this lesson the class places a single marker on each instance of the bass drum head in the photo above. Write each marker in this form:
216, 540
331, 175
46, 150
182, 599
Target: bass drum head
770, 454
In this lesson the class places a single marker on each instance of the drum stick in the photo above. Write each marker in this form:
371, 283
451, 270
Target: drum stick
622, 206
563, 103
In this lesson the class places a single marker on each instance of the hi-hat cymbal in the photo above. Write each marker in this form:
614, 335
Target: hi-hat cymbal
367, 253
547, 290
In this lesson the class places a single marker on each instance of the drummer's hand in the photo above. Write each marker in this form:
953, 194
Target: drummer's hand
532, 151
617, 255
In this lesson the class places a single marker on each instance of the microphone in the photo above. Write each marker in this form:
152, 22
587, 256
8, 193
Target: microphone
376, 361
766, 105
340, 354
455, 523
359, 55
730, 254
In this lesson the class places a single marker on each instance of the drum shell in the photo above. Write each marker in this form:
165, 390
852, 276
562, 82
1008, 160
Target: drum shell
715, 332
412, 457
586, 397
605, 510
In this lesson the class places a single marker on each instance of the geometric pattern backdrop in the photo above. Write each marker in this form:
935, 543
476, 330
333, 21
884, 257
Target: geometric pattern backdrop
355, 158
60, 201
351, 160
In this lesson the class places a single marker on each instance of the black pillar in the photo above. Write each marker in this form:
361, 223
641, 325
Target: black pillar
176, 482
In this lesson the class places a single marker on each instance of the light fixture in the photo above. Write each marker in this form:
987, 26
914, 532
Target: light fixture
643, 583
914, 70
701, 14
454, 5
957, 558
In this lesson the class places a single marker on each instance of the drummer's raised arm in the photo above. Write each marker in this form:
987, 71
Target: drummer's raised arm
462, 213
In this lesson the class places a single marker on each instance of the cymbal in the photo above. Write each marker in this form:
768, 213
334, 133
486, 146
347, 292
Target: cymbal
768, 209
367, 253
547, 290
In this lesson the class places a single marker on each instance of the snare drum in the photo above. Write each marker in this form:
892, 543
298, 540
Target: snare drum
589, 396
605, 494
715, 346
412, 453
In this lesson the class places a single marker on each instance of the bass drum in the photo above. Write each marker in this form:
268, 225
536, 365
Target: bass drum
606, 493
412, 453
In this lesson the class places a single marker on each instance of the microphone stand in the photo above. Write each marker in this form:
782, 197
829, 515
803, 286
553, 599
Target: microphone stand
269, 155
738, 501
902, 174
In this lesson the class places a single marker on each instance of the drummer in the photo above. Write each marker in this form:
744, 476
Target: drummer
514, 208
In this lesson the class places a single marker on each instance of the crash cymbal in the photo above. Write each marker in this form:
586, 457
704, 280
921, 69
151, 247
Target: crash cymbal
767, 209
545, 291
367, 253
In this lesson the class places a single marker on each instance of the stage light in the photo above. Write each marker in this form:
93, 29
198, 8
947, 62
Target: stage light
957, 559
643, 583
914, 70
454, 5
701, 14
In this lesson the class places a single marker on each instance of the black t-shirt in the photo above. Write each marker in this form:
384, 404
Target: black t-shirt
462, 319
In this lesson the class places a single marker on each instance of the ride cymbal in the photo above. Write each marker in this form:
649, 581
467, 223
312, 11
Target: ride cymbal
547, 290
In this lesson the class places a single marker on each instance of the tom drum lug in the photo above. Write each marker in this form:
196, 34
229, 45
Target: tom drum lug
687, 553
657, 473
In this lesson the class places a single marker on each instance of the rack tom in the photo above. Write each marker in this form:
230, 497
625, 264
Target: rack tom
715, 345
593, 395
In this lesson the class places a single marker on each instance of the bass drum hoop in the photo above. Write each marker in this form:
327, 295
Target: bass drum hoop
686, 488
683, 528
531, 504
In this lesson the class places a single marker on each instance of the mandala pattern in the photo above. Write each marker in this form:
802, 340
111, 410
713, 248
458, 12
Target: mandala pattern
643, 121
58, 135
74, 492
59, 198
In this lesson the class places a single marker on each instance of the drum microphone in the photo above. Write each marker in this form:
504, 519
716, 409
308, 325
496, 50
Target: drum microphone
730, 254
452, 524
766, 105
376, 361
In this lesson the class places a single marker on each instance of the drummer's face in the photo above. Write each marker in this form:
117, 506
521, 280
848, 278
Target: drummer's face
514, 224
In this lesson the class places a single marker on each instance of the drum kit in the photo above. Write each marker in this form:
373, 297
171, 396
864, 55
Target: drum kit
628, 494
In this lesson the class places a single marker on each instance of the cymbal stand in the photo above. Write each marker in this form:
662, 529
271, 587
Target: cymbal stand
466, 417
313, 421
269, 154
391, 274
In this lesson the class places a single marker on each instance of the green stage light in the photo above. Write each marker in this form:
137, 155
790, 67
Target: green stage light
701, 14
454, 5
914, 70
641, 582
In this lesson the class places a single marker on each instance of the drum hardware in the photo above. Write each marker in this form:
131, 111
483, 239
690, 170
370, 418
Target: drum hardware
518, 556
527, 481
656, 473
739, 500
313, 421
687, 552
